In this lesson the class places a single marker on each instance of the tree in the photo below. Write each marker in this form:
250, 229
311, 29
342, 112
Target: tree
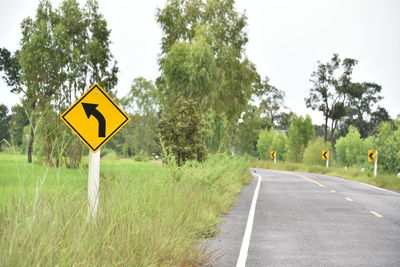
284, 121
387, 142
271, 101
203, 59
301, 132
4, 124
361, 114
63, 51
142, 98
312, 153
143, 106
264, 143
18, 121
332, 88
351, 150
10, 66
271, 140
248, 128
181, 128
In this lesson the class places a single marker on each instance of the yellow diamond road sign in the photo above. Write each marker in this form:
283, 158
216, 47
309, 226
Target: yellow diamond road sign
95, 117
325, 154
371, 155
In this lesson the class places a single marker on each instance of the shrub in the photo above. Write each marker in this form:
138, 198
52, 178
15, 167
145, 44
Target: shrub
387, 142
270, 140
301, 131
312, 154
352, 150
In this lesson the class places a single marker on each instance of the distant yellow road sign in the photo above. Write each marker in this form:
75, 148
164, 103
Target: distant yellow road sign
95, 117
371, 155
272, 154
325, 154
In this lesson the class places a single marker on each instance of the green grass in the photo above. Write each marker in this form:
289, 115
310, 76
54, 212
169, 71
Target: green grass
388, 181
149, 215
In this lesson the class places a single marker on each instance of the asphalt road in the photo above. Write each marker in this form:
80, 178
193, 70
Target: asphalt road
303, 219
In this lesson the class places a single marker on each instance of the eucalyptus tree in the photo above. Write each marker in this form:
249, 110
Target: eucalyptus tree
332, 88
63, 51
143, 106
301, 132
203, 59
271, 101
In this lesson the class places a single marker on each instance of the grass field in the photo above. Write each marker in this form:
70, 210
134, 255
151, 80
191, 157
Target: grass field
150, 214
389, 181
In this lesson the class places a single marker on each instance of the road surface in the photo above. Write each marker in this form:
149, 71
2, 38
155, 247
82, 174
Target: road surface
302, 219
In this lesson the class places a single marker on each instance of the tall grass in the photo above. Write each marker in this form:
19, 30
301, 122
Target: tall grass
389, 181
146, 218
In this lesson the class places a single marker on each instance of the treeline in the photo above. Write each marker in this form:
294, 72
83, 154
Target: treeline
301, 145
208, 98
62, 52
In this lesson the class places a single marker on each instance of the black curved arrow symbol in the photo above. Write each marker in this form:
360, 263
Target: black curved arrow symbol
325, 154
371, 155
90, 109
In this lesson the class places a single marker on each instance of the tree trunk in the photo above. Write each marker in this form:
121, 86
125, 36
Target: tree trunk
326, 128
74, 154
332, 130
29, 151
30, 143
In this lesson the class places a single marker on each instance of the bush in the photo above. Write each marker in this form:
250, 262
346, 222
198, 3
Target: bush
352, 150
387, 143
312, 154
301, 131
141, 156
107, 153
270, 140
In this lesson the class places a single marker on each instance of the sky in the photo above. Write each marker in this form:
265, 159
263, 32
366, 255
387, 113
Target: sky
286, 40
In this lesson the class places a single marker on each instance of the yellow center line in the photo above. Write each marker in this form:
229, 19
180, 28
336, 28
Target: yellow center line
311, 180
333, 190
349, 199
376, 214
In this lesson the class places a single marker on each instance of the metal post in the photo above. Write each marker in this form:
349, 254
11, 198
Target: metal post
376, 164
93, 182
275, 160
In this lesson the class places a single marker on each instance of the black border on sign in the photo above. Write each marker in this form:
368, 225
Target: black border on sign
94, 149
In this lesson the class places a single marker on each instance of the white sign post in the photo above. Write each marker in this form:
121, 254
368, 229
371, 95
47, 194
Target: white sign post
376, 164
93, 182
327, 161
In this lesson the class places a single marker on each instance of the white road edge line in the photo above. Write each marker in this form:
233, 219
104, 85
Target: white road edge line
241, 262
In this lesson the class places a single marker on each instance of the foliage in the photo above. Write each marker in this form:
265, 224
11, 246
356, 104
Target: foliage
139, 137
203, 60
312, 153
361, 108
336, 96
271, 140
142, 98
387, 142
351, 150
63, 51
143, 218
248, 128
271, 101
4, 124
10, 66
181, 128
351, 173
301, 132
18, 120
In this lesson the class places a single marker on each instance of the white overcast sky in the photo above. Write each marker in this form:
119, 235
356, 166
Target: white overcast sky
286, 39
